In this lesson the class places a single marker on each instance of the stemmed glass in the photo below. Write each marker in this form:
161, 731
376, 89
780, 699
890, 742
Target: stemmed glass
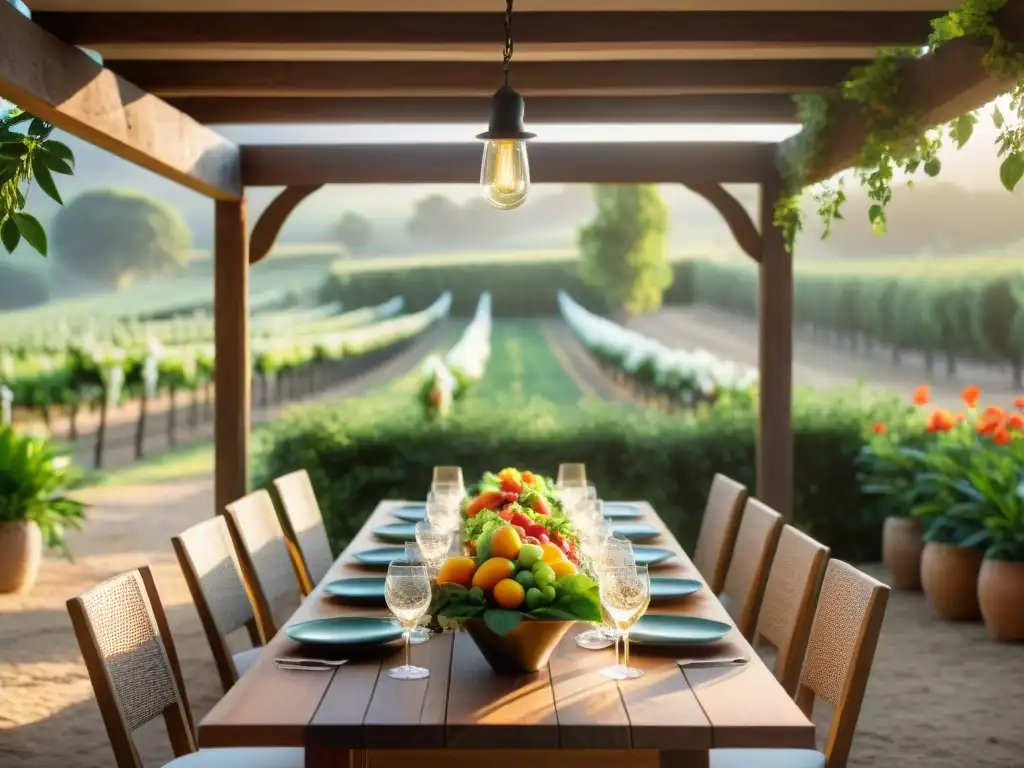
571, 475
625, 595
419, 634
434, 543
605, 552
407, 592
448, 476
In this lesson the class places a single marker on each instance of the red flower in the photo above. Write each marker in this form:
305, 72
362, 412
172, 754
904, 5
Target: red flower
971, 395
940, 420
992, 419
922, 395
1019, 402
878, 428
1015, 421
1001, 436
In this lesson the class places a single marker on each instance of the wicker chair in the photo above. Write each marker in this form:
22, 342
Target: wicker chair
839, 656
304, 529
259, 540
748, 569
789, 599
214, 577
718, 530
122, 631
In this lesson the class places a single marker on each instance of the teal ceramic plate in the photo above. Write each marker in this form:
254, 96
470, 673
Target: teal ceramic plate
345, 631
620, 510
410, 513
364, 590
634, 531
665, 588
652, 555
660, 629
396, 533
380, 557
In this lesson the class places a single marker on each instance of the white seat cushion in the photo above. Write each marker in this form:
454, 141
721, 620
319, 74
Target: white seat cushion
245, 659
766, 758
242, 758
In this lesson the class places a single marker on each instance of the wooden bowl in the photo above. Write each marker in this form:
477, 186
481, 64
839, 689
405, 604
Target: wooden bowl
526, 648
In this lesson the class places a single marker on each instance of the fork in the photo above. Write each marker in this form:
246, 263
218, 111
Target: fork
705, 663
313, 664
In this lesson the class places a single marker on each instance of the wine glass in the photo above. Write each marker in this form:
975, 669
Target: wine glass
434, 543
419, 634
571, 475
607, 552
441, 514
625, 595
448, 476
407, 592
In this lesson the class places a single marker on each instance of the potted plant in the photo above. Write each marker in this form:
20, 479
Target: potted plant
33, 508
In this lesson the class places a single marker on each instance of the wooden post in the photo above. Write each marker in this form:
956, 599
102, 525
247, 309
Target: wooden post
231, 343
775, 359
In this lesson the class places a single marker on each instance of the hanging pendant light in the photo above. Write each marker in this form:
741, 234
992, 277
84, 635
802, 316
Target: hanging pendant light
505, 170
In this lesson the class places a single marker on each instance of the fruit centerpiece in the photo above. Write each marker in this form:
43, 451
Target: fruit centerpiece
519, 587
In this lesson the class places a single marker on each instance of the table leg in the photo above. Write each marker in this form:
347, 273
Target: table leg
333, 757
679, 759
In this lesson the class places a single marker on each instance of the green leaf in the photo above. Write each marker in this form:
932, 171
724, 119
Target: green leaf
57, 155
9, 235
44, 179
552, 613
997, 117
933, 166
876, 212
16, 150
500, 621
963, 128
39, 128
56, 164
1011, 170
18, 119
32, 231
582, 607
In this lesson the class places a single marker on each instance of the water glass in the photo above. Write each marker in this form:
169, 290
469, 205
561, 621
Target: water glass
434, 543
571, 475
407, 592
625, 595
448, 476
413, 555
442, 514
607, 552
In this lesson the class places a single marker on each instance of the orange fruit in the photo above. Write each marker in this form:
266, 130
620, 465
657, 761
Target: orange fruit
457, 570
505, 542
509, 593
552, 553
492, 571
563, 568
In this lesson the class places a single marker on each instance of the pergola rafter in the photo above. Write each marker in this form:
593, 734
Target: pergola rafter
277, 61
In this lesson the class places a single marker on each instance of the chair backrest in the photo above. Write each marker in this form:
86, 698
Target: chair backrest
840, 651
788, 604
263, 554
751, 559
718, 530
127, 647
214, 577
304, 529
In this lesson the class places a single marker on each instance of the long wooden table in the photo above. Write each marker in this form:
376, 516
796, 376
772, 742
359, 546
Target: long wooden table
567, 715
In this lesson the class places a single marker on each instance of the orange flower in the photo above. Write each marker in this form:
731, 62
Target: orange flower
1016, 421
878, 429
1001, 436
992, 419
971, 395
940, 420
922, 395
959, 418
993, 412
1019, 402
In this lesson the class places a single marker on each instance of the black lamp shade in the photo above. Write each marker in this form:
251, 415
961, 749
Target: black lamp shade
507, 108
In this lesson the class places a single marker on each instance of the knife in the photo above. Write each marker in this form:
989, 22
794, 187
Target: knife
705, 663
319, 664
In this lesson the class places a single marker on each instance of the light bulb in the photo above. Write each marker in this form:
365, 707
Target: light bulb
505, 173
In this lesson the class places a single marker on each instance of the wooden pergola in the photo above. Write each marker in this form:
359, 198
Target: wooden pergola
172, 67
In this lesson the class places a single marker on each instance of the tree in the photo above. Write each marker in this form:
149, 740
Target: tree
623, 249
114, 237
436, 219
355, 232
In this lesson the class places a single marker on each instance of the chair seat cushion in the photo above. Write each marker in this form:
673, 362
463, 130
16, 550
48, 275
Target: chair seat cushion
242, 758
245, 659
766, 758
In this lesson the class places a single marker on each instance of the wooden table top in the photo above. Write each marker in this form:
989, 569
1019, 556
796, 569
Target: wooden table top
464, 704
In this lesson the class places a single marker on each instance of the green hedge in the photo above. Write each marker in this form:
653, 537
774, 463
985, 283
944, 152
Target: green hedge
519, 287
363, 451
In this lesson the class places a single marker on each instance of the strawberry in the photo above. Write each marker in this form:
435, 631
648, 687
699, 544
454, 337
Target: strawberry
509, 496
521, 520
536, 530
541, 507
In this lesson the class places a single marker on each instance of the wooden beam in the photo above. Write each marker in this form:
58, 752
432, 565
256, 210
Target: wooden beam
62, 85
583, 163
233, 367
699, 29
938, 87
267, 228
404, 78
694, 108
736, 217
775, 362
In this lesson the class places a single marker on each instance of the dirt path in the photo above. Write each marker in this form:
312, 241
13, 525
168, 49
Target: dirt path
818, 365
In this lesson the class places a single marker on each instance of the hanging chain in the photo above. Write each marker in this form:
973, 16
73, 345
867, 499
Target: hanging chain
508, 37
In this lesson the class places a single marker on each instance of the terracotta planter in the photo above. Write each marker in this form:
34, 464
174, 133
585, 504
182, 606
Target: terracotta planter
949, 576
526, 648
1001, 594
21, 549
902, 546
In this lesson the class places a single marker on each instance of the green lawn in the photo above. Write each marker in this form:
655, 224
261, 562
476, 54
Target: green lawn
522, 366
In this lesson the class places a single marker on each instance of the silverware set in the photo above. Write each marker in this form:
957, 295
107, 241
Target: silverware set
309, 664
708, 663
